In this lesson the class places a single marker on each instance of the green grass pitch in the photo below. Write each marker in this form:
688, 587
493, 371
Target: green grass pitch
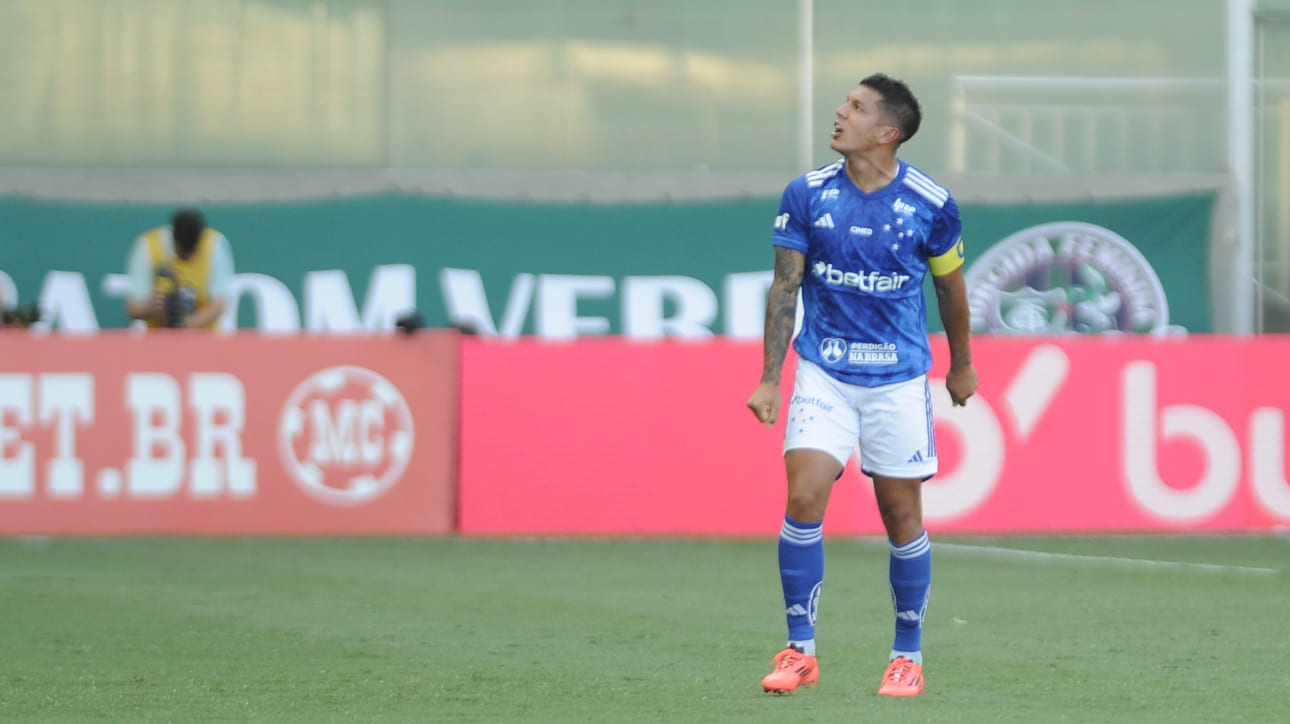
452, 630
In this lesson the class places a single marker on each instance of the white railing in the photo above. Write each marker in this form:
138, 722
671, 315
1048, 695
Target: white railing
1092, 125
1150, 126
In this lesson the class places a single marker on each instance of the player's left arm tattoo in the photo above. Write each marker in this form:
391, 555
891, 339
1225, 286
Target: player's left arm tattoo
781, 311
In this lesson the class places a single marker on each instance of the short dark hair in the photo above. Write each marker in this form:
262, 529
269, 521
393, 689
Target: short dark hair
186, 228
899, 103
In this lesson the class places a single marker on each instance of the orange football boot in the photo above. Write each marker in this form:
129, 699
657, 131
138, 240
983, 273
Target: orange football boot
903, 678
792, 669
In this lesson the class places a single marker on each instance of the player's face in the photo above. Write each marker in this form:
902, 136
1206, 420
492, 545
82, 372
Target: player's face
860, 123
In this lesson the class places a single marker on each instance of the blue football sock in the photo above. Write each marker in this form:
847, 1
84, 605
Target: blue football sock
911, 584
801, 571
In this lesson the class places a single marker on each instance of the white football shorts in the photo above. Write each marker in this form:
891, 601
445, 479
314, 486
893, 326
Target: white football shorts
892, 424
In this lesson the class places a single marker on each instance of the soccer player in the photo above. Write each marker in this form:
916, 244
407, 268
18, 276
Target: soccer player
857, 237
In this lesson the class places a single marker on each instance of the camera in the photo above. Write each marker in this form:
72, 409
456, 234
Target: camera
179, 300
20, 317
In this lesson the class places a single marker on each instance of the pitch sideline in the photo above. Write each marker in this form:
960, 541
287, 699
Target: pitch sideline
994, 551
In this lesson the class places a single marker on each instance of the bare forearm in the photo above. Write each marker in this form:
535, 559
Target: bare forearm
206, 315
141, 309
951, 302
781, 315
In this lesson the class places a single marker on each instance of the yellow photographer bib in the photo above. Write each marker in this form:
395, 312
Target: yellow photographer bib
192, 273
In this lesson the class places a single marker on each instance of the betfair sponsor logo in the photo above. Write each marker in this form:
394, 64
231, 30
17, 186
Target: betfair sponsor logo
865, 281
812, 401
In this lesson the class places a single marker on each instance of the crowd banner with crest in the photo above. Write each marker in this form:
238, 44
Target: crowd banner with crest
643, 270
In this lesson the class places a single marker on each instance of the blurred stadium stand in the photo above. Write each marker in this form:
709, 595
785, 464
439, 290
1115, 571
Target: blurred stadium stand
189, 100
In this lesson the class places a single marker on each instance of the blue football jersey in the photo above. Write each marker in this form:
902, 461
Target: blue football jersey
867, 255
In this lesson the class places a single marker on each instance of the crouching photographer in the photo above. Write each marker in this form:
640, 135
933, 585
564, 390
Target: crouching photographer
180, 274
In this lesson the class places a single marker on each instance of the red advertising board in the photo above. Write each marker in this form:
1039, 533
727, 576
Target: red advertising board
183, 433
245, 435
1076, 434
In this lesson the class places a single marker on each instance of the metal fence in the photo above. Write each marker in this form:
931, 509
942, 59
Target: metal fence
1149, 127
1062, 124
726, 85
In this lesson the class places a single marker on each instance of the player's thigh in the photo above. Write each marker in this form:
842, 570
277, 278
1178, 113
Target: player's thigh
821, 415
897, 437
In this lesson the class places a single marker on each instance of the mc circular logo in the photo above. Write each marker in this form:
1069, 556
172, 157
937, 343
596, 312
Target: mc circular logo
1065, 277
345, 435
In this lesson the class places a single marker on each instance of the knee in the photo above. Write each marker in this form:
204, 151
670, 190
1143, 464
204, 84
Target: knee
810, 480
897, 510
806, 505
901, 517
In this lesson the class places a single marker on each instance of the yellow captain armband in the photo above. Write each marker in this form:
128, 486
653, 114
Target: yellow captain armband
947, 262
